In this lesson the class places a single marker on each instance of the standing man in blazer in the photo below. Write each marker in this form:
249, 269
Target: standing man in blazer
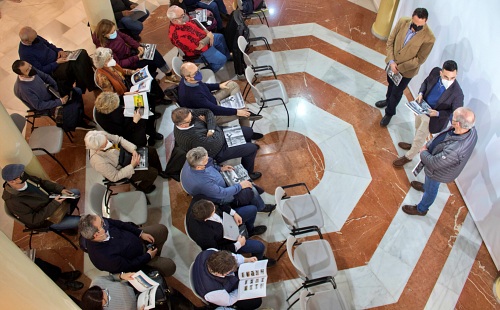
408, 46
444, 95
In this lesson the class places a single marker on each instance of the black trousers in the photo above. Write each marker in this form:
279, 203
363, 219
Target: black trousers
79, 71
394, 94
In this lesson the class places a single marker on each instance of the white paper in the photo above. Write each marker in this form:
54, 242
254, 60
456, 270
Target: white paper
253, 280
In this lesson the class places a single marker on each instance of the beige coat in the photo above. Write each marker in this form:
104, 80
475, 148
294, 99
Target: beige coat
410, 57
106, 162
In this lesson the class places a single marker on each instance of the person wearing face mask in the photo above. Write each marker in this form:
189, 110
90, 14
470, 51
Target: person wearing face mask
28, 198
195, 94
31, 88
443, 93
53, 60
115, 246
104, 158
127, 52
408, 46
195, 42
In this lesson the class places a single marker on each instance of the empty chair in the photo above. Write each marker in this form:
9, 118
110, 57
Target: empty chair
259, 61
126, 206
32, 115
331, 299
46, 140
301, 213
208, 75
256, 34
267, 91
314, 262
192, 286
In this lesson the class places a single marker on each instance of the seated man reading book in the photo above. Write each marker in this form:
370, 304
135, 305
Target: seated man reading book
204, 223
215, 279
28, 198
200, 176
195, 94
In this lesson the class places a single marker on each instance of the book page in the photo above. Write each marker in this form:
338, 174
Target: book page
234, 135
141, 75
395, 77
144, 86
141, 282
144, 161
136, 101
238, 174
253, 280
147, 298
236, 102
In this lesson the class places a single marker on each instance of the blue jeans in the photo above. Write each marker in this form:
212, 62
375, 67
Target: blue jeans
216, 7
254, 247
431, 188
247, 151
69, 221
134, 26
216, 55
248, 214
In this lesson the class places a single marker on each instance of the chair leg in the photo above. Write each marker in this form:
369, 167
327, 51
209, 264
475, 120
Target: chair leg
244, 90
69, 135
31, 236
293, 303
297, 290
287, 115
65, 238
53, 157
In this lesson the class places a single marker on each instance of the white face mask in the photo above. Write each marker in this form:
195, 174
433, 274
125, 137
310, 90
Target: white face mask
108, 146
24, 187
447, 83
111, 63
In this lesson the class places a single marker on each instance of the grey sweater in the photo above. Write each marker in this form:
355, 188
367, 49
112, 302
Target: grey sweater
34, 93
122, 295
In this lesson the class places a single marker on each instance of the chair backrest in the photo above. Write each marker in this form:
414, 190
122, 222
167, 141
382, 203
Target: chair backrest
290, 241
176, 65
95, 78
278, 194
96, 198
250, 75
242, 45
191, 284
186, 228
19, 120
94, 112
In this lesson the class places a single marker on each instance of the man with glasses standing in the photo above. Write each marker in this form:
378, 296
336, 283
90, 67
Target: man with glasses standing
116, 246
196, 43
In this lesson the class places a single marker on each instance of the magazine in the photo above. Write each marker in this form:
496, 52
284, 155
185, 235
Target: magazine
147, 287
395, 77
141, 80
199, 24
64, 196
236, 102
143, 161
234, 135
418, 168
149, 51
139, 11
418, 108
199, 14
253, 280
207, 2
135, 102
236, 175
73, 55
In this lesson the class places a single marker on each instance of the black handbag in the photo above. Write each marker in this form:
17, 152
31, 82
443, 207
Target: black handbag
162, 292
124, 158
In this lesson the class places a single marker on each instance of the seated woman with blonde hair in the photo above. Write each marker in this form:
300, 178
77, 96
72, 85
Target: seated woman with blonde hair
105, 159
109, 115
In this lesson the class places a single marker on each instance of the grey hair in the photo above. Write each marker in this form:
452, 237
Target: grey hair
170, 12
86, 226
107, 102
94, 140
195, 156
100, 56
465, 117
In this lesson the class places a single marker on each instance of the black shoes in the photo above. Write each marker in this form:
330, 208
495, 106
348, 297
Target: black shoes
258, 230
381, 104
157, 115
163, 174
268, 208
255, 175
257, 136
254, 117
70, 275
404, 145
149, 190
158, 136
385, 120
271, 262
84, 126
73, 285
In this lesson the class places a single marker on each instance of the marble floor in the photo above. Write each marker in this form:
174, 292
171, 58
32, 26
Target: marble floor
332, 68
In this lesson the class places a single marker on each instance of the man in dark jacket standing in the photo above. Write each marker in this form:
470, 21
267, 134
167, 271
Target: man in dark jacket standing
444, 95
444, 158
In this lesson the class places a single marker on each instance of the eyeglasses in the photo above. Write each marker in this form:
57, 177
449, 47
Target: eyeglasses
105, 291
180, 17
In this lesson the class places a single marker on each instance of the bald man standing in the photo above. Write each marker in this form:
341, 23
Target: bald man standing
52, 60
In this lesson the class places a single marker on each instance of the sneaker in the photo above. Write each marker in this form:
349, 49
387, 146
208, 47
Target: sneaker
172, 78
271, 262
268, 208
258, 230
254, 117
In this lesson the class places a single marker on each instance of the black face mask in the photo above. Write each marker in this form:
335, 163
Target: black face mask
23, 177
32, 72
37, 40
416, 28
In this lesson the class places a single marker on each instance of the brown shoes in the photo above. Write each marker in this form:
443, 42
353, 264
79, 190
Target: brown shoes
404, 145
412, 210
400, 162
419, 186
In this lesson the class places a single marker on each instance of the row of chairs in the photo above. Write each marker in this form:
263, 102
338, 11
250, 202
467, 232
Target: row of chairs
313, 260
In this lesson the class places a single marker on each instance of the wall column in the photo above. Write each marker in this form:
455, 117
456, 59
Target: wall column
381, 28
97, 10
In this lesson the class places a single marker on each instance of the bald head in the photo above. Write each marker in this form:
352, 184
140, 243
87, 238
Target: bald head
27, 35
188, 69
174, 13
464, 118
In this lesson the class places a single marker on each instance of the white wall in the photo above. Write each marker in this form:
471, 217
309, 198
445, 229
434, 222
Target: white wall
464, 32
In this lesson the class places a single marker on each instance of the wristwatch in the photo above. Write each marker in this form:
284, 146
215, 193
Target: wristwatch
211, 130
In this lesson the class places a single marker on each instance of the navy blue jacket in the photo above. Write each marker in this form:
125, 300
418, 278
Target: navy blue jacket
40, 54
201, 97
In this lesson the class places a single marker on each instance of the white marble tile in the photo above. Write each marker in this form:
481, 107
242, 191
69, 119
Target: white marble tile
366, 289
72, 17
78, 33
441, 298
292, 61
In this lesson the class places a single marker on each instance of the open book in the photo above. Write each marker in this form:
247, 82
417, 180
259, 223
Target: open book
136, 102
64, 196
73, 55
139, 11
144, 161
418, 108
253, 280
149, 51
198, 23
147, 287
235, 176
234, 135
199, 14
141, 80
236, 102
395, 77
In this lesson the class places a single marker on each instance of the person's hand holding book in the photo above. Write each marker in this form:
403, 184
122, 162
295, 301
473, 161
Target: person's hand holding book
245, 184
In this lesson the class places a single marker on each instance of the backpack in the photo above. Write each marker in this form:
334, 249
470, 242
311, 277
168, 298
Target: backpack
249, 6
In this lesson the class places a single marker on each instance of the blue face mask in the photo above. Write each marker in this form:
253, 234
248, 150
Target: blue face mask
113, 35
198, 77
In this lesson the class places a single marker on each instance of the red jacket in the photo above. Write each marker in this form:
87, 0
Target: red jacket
187, 37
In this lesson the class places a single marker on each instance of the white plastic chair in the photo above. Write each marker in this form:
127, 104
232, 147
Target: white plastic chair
331, 299
208, 75
97, 127
259, 61
267, 91
261, 14
314, 262
301, 213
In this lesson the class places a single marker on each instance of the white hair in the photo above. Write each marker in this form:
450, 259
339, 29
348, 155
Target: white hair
94, 140
100, 56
